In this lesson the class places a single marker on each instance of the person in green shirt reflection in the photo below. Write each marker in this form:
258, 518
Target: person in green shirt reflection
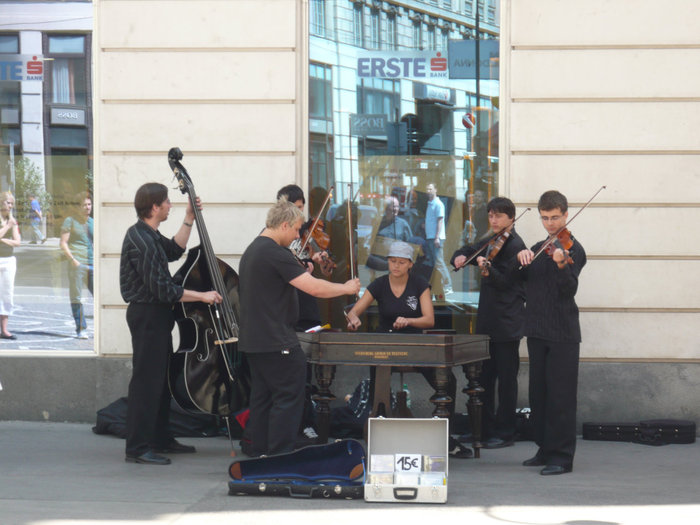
76, 243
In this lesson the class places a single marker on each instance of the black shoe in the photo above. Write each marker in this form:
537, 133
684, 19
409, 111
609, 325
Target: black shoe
12, 336
148, 458
175, 447
553, 470
495, 442
248, 450
460, 451
534, 461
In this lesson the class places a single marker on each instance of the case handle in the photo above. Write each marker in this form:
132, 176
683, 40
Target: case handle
305, 493
405, 493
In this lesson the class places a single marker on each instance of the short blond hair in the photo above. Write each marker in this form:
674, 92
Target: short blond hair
283, 211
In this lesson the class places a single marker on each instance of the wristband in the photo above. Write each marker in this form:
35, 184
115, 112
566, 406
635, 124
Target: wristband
188, 224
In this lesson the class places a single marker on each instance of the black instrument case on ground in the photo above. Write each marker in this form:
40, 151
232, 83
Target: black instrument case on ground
335, 470
649, 432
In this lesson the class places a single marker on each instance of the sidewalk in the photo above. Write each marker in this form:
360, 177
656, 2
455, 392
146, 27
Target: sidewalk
61, 473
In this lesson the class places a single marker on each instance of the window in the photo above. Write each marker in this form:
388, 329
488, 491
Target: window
9, 44
469, 7
491, 12
389, 132
432, 40
444, 38
10, 135
68, 69
418, 34
391, 36
358, 25
320, 96
375, 28
318, 17
378, 96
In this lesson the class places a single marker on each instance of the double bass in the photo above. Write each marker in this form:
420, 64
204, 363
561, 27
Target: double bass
207, 373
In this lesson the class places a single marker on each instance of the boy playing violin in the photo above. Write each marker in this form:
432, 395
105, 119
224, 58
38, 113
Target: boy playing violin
553, 337
501, 316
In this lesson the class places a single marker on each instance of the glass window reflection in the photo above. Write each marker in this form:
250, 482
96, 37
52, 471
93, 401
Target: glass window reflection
418, 140
47, 168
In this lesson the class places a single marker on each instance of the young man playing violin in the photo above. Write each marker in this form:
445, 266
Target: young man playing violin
553, 336
501, 316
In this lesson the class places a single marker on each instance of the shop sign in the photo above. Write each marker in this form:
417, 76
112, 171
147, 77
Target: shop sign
364, 124
68, 116
16, 68
401, 64
462, 58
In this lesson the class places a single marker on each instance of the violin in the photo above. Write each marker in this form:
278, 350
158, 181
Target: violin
316, 240
491, 243
563, 242
493, 247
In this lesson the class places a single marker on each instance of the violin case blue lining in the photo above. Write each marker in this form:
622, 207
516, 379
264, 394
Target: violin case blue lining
334, 470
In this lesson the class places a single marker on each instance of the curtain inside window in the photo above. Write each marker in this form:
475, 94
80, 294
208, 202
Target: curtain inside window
63, 78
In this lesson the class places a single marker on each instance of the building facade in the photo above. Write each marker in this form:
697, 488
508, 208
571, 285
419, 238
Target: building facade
261, 93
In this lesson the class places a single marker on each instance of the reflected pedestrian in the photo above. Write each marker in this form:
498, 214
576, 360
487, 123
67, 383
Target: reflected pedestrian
76, 243
9, 239
35, 218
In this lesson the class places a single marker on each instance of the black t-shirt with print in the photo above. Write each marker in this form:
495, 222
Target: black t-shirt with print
391, 307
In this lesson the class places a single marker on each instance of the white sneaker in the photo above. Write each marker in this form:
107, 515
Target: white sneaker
310, 433
82, 335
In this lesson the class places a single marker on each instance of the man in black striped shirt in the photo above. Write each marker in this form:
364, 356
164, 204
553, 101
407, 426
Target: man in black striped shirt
146, 284
553, 339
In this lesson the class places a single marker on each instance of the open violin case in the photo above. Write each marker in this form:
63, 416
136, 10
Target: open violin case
335, 470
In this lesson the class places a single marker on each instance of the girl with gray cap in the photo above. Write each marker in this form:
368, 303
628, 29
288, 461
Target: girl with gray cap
403, 298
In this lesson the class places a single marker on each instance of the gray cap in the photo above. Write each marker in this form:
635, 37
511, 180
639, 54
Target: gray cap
401, 249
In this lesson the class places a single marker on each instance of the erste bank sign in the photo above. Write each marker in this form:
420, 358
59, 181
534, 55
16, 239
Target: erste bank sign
401, 64
21, 67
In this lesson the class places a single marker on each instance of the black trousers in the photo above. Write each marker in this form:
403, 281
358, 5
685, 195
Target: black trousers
276, 399
553, 390
148, 410
500, 371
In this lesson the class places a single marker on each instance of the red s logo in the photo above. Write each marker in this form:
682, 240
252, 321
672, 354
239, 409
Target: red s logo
438, 64
35, 67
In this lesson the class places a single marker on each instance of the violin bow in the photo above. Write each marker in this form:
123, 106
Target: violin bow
318, 217
350, 239
553, 237
486, 243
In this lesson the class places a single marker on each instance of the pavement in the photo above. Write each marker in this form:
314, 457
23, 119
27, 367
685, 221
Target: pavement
42, 319
62, 473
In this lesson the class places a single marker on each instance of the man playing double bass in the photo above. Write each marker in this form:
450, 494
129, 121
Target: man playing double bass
146, 284
269, 276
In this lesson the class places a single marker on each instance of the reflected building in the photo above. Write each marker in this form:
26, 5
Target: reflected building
396, 102
45, 101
